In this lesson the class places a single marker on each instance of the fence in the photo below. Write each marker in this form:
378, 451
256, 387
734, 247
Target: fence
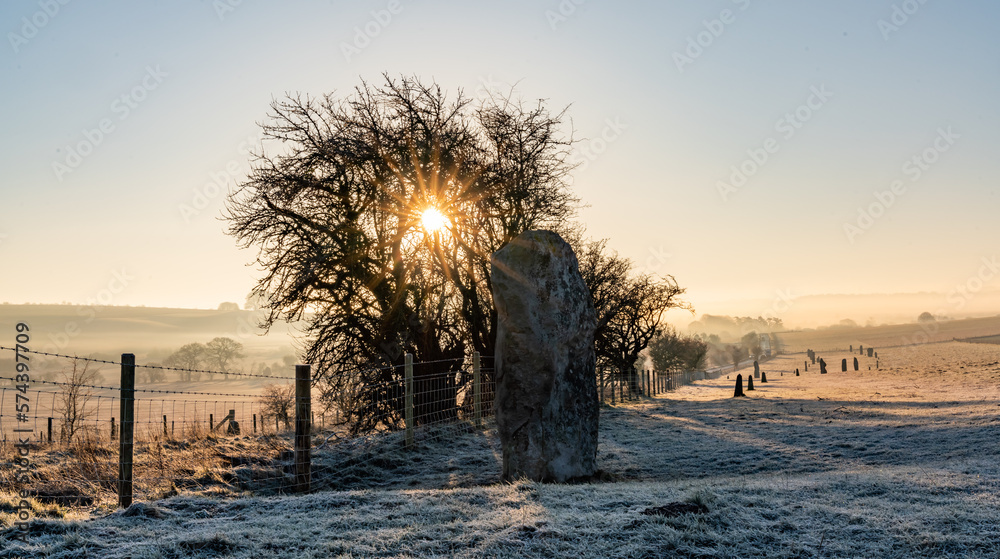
113, 444
205, 440
615, 386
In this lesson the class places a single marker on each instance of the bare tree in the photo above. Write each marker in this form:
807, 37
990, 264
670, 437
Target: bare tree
188, 357
73, 399
336, 217
751, 343
629, 307
220, 352
278, 401
669, 350
737, 353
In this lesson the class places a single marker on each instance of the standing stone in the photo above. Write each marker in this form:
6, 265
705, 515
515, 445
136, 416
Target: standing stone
749, 383
739, 387
805, 365
797, 372
546, 389
855, 363
763, 378
843, 365
852, 348
756, 370
861, 349
822, 366
870, 351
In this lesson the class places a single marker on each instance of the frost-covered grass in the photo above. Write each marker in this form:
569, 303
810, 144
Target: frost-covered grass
898, 462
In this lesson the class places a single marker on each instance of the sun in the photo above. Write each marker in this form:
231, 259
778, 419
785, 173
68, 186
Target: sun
433, 220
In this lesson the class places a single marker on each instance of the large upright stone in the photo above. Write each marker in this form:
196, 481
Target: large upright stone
546, 388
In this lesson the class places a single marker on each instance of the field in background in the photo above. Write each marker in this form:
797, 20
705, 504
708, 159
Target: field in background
151, 333
890, 336
898, 461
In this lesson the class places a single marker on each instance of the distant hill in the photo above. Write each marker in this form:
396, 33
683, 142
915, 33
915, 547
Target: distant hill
842, 337
84, 330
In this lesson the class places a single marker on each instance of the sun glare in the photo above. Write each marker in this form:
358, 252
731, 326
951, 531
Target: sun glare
433, 220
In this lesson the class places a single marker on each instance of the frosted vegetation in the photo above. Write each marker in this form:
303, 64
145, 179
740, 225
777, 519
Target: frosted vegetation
895, 462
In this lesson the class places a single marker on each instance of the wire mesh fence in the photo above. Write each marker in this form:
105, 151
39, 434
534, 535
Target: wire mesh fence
226, 442
272, 437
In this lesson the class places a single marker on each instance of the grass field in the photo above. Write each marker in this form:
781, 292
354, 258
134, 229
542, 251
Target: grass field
889, 336
899, 461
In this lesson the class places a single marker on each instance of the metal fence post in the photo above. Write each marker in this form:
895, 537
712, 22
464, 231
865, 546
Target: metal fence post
477, 392
409, 399
303, 438
127, 425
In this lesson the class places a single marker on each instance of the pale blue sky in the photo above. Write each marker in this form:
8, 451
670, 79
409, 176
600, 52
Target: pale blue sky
653, 189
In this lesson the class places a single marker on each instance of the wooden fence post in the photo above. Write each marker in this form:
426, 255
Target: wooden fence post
303, 435
408, 387
50, 430
164, 426
600, 381
127, 423
477, 392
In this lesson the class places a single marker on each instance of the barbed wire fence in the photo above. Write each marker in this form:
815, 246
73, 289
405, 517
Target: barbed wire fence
104, 444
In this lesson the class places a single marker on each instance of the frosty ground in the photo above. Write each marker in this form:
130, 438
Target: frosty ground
894, 461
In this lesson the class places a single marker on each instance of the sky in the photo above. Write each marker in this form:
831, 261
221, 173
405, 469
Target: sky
757, 151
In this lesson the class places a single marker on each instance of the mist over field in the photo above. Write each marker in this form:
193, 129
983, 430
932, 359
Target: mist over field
151, 333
